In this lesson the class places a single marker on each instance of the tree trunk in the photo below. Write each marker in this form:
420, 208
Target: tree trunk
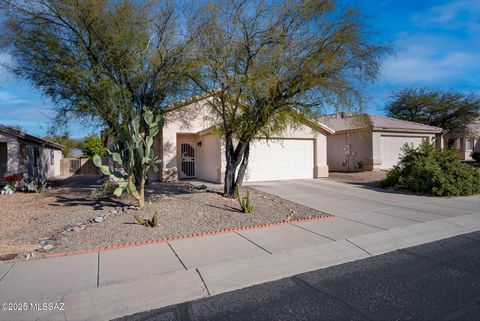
141, 198
229, 170
141, 193
243, 166
233, 158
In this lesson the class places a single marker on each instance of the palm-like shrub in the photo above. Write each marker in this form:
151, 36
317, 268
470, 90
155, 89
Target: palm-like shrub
427, 170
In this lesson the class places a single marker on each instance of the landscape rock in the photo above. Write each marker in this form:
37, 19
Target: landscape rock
47, 247
98, 219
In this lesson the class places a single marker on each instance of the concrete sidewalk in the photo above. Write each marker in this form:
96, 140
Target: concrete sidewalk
110, 284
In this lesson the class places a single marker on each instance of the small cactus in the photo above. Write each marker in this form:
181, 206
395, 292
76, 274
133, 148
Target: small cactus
146, 222
245, 203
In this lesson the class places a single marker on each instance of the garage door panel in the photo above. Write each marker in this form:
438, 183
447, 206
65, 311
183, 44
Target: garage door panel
391, 148
280, 159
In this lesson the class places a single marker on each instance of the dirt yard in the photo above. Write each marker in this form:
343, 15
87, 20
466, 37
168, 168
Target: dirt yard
63, 219
368, 178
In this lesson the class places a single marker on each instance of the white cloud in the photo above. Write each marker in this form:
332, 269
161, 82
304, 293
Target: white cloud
431, 60
451, 15
7, 98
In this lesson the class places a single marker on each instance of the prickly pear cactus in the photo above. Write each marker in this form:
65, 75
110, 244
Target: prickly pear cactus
133, 155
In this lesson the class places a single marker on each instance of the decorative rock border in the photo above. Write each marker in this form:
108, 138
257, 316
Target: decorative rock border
47, 244
175, 238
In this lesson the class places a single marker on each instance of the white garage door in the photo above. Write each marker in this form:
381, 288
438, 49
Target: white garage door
280, 159
391, 148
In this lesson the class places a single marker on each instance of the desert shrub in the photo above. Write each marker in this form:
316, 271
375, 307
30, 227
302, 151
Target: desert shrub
476, 156
427, 170
153, 222
245, 203
107, 189
33, 185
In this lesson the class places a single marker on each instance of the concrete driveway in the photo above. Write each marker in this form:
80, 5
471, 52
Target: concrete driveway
369, 206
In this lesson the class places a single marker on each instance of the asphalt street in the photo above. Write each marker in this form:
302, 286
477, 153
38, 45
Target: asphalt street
435, 281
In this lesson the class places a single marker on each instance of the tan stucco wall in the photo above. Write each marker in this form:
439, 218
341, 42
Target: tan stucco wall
209, 155
360, 151
45, 168
189, 119
57, 163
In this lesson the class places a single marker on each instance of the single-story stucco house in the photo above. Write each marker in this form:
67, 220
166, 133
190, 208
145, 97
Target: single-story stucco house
27, 155
189, 148
465, 143
365, 142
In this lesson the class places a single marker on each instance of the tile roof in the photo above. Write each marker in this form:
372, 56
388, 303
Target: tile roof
362, 121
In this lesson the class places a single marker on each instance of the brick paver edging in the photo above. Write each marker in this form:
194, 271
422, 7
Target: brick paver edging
175, 238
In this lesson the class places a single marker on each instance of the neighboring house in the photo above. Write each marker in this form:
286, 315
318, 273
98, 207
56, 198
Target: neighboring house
465, 143
365, 142
28, 155
189, 148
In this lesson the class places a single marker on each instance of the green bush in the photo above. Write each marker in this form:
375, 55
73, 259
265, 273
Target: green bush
476, 156
427, 170
93, 145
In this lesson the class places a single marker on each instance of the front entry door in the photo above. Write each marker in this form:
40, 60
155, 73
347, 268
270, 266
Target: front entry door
187, 152
3, 160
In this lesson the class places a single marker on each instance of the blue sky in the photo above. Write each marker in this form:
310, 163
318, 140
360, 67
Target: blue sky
436, 45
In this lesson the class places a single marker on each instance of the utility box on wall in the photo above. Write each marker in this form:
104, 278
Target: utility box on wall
347, 149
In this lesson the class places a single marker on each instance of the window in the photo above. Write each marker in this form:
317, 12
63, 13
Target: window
452, 142
52, 157
470, 144
36, 155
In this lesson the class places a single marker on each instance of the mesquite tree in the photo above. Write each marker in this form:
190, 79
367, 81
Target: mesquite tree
100, 61
268, 63
96, 59
452, 111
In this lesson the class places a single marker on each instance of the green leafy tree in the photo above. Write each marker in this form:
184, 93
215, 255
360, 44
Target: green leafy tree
449, 110
267, 64
99, 60
93, 145
96, 59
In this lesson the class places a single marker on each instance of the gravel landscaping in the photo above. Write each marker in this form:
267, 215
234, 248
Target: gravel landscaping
370, 178
66, 218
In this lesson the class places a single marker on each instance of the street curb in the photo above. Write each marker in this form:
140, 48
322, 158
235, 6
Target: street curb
176, 238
